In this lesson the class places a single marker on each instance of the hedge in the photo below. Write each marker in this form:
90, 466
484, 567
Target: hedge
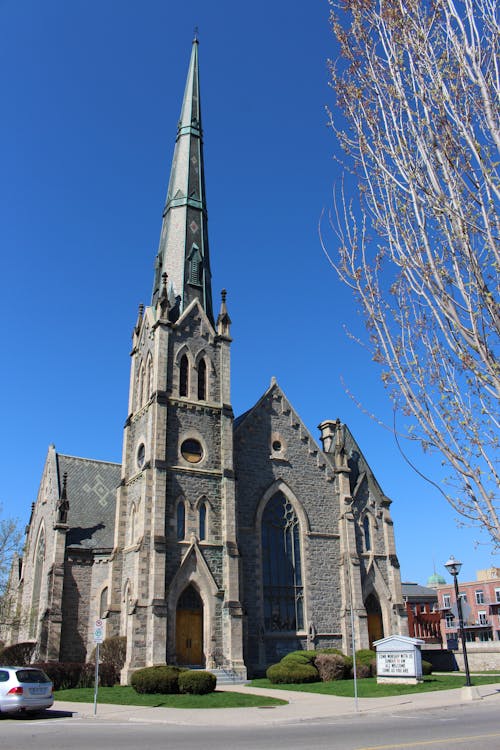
18, 654
160, 679
197, 682
292, 673
426, 667
67, 675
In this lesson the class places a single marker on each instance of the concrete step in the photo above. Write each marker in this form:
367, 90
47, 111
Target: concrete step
227, 677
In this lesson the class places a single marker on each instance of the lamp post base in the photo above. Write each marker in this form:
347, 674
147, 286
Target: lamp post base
470, 693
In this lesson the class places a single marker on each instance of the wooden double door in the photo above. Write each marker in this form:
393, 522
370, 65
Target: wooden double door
375, 623
189, 629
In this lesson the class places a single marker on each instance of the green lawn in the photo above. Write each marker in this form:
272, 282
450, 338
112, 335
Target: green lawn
368, 688
126, 696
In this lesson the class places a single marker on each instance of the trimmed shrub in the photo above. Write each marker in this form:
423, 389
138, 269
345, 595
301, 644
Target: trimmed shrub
299, 657
161, 679
362, 671
292, 673
365, 656
197, 682
348, 665
18, 654
112, 651
330, 667
373, 667
426, 667
64, 675
330, 651
108, 675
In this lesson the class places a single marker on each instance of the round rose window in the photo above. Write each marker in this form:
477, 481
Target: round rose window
192, 451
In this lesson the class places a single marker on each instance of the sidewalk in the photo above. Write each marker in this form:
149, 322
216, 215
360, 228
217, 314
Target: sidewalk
301, 707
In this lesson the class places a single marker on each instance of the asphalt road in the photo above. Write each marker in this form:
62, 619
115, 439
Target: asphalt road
474, 727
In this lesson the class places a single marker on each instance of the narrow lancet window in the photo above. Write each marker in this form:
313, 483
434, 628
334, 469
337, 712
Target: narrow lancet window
203, 521
150, 377
202, 381
183, 376
366, 531
181, 520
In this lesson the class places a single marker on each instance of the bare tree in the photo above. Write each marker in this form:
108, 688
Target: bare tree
10, 540
417, 86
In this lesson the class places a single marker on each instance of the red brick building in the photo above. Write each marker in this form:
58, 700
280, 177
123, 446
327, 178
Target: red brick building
422, 610
480, 606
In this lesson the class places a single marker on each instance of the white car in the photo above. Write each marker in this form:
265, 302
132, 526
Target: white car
25, 689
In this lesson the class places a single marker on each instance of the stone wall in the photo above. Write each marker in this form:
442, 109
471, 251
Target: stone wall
481, 656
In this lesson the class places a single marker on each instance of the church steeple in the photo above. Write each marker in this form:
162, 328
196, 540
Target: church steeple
183, 251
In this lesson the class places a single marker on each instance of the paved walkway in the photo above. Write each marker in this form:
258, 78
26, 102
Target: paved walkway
301, 707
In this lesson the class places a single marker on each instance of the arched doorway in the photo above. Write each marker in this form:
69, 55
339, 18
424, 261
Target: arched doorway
375, 624
189, 628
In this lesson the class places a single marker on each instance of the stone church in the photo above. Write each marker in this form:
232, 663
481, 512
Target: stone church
219, 542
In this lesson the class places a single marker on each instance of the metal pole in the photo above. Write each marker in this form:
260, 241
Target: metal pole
96, 678
462, 631
353, 639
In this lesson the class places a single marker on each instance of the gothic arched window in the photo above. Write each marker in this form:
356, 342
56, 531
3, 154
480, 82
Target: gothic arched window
202, 521
281, 566
202, 380
131, 527
366, 532
150, 377
183, 376
103, 602
181, 520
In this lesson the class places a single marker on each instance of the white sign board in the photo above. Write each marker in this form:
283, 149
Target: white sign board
391, 663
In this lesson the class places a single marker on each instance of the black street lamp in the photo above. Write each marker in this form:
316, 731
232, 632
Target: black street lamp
453, 568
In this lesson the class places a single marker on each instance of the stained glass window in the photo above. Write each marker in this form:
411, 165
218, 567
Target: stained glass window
281, 565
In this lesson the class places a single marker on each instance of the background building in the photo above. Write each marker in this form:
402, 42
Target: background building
480, 607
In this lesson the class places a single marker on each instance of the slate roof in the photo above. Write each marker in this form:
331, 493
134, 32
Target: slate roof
416, 591
91, 489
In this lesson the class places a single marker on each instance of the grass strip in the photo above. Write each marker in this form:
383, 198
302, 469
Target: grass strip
126, 696
368, 688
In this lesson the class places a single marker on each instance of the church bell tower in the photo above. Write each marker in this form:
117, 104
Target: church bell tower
175, 572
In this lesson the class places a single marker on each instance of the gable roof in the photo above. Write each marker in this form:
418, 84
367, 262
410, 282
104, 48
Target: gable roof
91, 489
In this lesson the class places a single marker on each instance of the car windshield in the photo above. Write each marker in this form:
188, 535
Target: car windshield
31, 675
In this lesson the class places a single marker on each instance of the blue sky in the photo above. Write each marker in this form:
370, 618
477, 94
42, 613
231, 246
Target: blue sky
91, 94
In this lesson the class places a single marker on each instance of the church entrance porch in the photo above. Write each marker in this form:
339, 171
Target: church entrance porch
189, 629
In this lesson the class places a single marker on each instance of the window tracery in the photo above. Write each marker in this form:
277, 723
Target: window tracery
281, 566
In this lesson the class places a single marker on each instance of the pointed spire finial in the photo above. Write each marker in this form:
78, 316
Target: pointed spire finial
63, 507
223, 320
140, 314
163, 301
195, 37
64, 494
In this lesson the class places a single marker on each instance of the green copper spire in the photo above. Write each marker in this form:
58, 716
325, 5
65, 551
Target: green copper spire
183, 251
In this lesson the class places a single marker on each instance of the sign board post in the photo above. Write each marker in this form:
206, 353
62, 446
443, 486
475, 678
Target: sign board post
98, 639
